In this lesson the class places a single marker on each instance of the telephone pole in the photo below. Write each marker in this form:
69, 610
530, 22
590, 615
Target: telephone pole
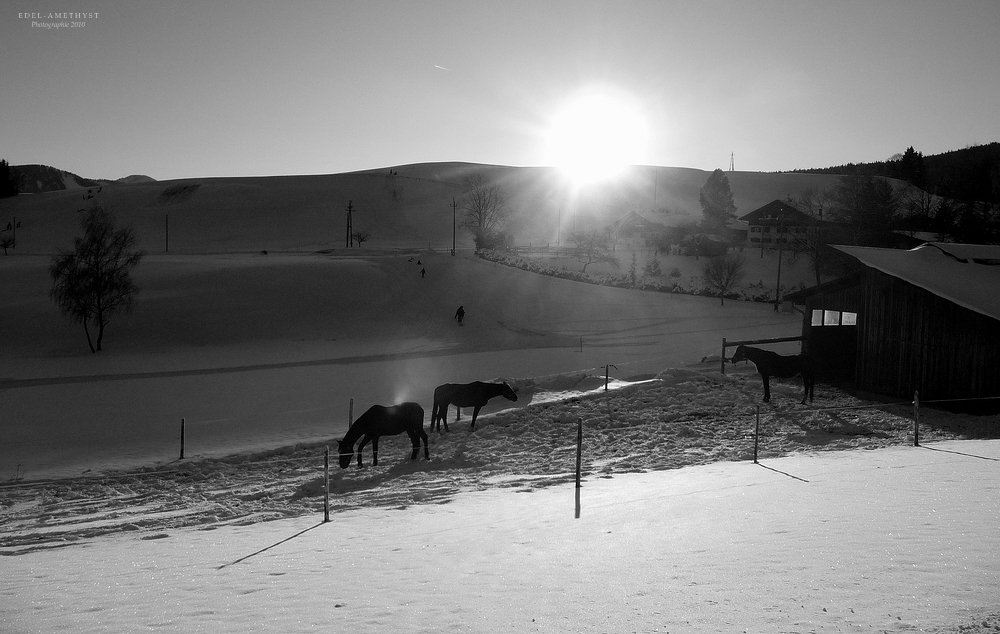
350, 224
454, 224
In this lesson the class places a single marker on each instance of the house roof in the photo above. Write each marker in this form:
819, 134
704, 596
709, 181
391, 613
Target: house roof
776, 211
636, 221
959, 273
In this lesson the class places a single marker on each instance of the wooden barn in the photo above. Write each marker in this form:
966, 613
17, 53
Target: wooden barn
925, 319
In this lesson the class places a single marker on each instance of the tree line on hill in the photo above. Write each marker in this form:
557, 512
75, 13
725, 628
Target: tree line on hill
955, 195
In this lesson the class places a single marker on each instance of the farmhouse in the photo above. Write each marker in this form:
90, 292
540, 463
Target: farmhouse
925, 319
633, 223
777, 223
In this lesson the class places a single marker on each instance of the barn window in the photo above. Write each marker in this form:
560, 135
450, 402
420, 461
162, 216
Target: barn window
833, 318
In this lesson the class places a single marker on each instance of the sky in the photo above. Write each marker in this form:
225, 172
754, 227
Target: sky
173, 89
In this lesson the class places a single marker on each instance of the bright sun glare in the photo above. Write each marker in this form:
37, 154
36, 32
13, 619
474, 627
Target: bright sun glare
595, 135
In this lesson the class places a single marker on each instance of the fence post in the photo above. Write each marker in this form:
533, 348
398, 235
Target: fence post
326, 484
723, 360
350, 413
581, 343
916, 418
182, 440
579, 459
756, 435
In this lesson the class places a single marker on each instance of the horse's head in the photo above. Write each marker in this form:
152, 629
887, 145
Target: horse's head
508, 392
346, 453
740, 355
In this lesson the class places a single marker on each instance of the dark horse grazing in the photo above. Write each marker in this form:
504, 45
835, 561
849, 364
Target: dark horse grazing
773, 364
462, 395
384, 421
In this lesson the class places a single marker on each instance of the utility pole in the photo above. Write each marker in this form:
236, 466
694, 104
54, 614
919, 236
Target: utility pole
777, 290
454, 224
350, 224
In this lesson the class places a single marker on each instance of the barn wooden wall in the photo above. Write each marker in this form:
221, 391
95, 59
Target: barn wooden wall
910, 339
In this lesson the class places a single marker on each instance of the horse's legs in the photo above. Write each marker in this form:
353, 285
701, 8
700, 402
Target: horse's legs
364, 441
475, 413
434, 414
374, 451
458, 413
415, 441
443, 414
767, 387
427, 453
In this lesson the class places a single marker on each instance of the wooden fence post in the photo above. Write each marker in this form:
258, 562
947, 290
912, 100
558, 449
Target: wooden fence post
756, 435
350, 413
916, 419
723, 360
182, 440
326, 484
579, 461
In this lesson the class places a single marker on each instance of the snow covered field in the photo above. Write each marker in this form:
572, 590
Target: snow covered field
893, 540
680, 531
257, 352
483, 537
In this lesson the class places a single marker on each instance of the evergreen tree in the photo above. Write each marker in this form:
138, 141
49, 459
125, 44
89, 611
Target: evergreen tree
717, 203
869, 206
8, 180
911, 167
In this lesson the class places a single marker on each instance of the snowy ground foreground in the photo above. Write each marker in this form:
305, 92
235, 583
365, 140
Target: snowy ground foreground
893, 540
483, 538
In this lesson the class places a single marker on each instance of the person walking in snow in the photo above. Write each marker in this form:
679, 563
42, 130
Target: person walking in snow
460, 315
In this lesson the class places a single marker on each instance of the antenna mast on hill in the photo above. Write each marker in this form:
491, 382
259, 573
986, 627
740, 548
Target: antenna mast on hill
732, 161
350, 224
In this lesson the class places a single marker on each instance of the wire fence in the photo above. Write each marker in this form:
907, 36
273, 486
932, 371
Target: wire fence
597, 371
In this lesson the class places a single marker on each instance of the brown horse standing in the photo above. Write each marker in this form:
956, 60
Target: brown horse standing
773, 364
384, 421
475, 394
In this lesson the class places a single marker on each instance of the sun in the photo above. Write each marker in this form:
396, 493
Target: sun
595, 135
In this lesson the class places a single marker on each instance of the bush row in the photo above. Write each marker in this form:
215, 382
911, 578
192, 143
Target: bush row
755, 292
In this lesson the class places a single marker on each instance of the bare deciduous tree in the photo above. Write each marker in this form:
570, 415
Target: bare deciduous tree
93, 281
486, 211
592, 247
723, 272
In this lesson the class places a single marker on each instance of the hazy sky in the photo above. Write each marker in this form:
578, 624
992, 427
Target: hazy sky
177, 89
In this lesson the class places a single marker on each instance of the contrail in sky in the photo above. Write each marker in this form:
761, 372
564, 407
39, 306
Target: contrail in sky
443, 68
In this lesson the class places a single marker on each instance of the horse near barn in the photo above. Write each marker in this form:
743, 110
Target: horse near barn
770, 364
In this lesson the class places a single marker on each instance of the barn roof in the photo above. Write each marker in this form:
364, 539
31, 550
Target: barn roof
965, 274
